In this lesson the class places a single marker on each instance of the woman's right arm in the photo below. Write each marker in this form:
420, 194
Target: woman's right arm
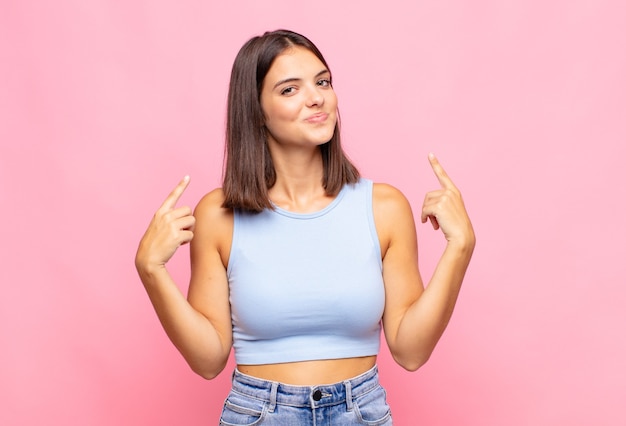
199, 326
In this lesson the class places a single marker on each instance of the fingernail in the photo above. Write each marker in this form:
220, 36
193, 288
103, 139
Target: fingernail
431, 155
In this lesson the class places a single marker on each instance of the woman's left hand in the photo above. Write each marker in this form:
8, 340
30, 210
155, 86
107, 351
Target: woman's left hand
445, 209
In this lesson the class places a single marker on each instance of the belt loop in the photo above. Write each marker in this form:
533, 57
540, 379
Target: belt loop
273, 393
348, 387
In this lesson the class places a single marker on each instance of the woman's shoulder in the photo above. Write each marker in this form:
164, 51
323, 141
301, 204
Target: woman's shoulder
391, 208
213, 198
210, 207
214, 225
386, 194
393, 217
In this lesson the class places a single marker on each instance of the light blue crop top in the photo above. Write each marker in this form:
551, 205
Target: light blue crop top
307, 286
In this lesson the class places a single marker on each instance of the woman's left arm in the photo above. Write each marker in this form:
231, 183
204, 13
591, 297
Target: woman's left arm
415, 318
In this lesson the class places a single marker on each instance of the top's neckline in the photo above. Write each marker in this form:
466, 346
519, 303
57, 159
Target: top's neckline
311, 215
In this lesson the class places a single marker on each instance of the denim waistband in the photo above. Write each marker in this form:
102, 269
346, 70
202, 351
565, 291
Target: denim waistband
305, 396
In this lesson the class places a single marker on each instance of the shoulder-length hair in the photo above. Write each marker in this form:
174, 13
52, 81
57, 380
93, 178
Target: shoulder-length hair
248, 167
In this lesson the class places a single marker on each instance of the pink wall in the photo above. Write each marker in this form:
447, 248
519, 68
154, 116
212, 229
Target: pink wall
104, 105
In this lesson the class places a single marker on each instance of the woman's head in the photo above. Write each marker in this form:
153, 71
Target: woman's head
249, 170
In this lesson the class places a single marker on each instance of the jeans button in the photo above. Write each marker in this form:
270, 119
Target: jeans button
317, 395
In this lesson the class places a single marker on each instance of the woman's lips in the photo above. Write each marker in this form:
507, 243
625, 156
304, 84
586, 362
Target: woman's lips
319, 117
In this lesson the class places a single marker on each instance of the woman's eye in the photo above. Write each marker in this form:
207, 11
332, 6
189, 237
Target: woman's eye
325, 82
287, 91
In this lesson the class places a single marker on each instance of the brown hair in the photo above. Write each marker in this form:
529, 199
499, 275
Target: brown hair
248, 168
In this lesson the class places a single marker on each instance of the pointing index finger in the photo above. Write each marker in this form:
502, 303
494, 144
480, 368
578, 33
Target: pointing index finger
172, 199
441, 174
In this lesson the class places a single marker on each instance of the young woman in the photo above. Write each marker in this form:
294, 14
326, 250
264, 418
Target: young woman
297, 261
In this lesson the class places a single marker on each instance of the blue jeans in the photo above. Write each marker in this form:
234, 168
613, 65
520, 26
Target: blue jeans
357, 401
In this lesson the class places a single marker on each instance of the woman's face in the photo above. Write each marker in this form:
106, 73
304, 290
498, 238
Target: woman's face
298, 101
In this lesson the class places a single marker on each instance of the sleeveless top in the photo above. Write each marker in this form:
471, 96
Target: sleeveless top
307, 286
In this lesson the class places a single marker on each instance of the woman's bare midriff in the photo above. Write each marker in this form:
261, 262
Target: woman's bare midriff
309, 373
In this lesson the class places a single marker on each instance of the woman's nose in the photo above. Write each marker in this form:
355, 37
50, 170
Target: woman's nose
315, 97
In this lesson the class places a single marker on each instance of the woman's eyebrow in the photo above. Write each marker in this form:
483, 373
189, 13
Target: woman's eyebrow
291, 79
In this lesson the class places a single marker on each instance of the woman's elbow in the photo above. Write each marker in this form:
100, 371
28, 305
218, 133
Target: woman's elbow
207, 370
411, 363
207, 373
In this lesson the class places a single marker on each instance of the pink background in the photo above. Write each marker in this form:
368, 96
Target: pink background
105, 105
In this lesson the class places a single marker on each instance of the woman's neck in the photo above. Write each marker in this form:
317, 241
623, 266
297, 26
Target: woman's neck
299, 181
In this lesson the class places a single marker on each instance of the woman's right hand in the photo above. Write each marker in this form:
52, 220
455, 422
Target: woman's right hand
169, 229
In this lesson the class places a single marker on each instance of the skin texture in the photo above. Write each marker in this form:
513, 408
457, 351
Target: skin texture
300, 110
